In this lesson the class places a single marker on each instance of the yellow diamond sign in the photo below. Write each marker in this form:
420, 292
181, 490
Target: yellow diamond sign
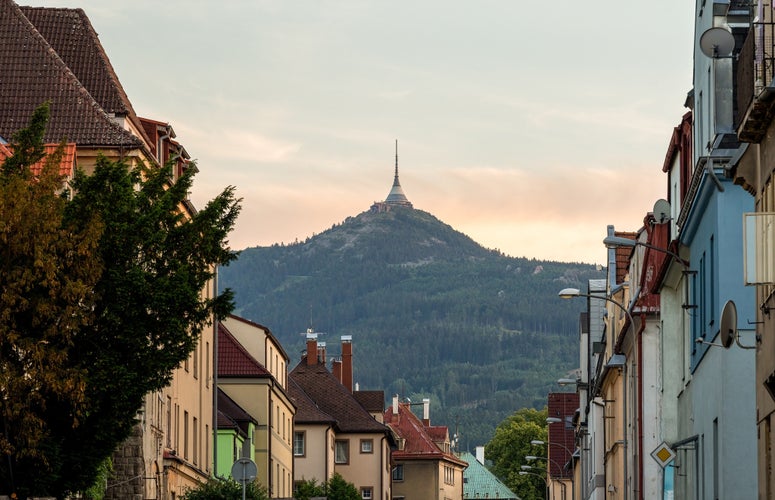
663, 454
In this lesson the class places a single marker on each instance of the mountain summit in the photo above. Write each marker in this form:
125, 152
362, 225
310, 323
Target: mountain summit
431, 312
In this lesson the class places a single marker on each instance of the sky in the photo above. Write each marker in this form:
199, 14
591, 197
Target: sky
529, 126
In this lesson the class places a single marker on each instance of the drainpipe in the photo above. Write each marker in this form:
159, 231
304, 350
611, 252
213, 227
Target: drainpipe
641, 329
215, 378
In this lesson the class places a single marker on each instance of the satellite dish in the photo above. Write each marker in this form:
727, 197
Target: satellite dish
728, 324
662, 211
717, 42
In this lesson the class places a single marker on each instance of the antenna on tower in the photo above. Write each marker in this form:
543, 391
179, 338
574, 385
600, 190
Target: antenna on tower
396, 158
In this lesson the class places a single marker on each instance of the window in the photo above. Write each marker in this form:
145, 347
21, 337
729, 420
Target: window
367, 445
207, 364
169, 422
449, 475
367, 492
196, 361
195, 440
298, 444
342, 451
185, 435
398, 472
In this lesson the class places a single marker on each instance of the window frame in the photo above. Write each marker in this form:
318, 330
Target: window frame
370, 443
303, 435
345, 443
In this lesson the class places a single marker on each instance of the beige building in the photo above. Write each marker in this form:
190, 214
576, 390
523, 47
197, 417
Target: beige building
424, 467
333, 431
170, 449
252, 371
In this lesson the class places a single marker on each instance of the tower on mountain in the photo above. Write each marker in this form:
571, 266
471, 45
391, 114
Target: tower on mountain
396, 197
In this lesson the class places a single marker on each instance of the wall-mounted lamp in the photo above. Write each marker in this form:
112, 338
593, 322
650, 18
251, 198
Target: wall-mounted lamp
572, 381
569, 293
616, 361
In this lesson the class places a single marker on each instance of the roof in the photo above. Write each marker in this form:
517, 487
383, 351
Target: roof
332, 398
623, 256
266, 330
373, 401
66, 164
419, 444
231, 415
479, 482
234, 360
32, 72
307, 411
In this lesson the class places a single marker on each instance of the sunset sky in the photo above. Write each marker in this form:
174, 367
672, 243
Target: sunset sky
529, 126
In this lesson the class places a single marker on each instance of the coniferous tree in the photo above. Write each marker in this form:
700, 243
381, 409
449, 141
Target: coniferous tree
142, 257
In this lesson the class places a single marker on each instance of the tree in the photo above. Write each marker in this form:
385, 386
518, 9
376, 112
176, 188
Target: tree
147, 256
510, 445
48, 270
339, 489
305, 490
220, 489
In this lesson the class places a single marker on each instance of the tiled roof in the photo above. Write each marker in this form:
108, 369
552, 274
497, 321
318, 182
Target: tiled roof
332, 398
234, 360
66, 164
623, 256
479, 482
31, 73
418, 442
234, 414
373, 401
307, 411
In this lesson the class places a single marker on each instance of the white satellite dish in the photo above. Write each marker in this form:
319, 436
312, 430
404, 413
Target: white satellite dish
728, 324
717, 42
662, 211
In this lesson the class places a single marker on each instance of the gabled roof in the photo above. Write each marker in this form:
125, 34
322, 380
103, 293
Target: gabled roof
234, 360
373, 401
307, 411
266, 330
418, 442
32, 72
233, 414
479, 482
332, 398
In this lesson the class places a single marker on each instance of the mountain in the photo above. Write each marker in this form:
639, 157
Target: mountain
432, 313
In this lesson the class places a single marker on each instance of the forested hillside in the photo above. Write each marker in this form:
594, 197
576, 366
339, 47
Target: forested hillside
432, 313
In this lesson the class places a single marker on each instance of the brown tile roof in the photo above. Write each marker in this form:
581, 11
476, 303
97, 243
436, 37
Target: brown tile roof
234, 360
373, 401
234, 414
418, 438
307, 411
31, 73
332, 398
623, 256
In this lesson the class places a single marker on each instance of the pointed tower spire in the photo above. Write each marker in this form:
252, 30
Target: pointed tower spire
396, 195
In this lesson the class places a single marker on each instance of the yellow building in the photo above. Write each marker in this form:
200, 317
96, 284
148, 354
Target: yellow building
252, 371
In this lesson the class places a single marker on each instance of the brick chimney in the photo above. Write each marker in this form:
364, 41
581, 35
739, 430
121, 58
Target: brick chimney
322, 353
312, 348
347, 362
336, 369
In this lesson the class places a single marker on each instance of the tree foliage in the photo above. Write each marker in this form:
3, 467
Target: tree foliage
509, 447
107, 293
336, 488
226, 489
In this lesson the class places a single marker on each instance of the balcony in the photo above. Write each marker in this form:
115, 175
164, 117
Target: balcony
754, 86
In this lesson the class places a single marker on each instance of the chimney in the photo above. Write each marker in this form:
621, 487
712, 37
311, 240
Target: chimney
347, 362
426, 411
322, 353
312, 348
479, 450
336, 369
395, 404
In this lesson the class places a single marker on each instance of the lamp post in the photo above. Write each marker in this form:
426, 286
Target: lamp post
618, 241
546, 482
569, 293
538, 442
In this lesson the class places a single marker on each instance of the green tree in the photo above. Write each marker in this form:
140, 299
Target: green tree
510, 445
308, 489
142, 257
339, 489
48, 270
220, 489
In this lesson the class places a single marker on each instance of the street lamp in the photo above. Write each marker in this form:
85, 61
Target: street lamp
546, 481
618, 241
538, 442
569, 293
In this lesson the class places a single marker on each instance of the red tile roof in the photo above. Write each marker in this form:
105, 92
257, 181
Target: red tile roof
66, 164
623, 256
31, 73
419, 439
234, 360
